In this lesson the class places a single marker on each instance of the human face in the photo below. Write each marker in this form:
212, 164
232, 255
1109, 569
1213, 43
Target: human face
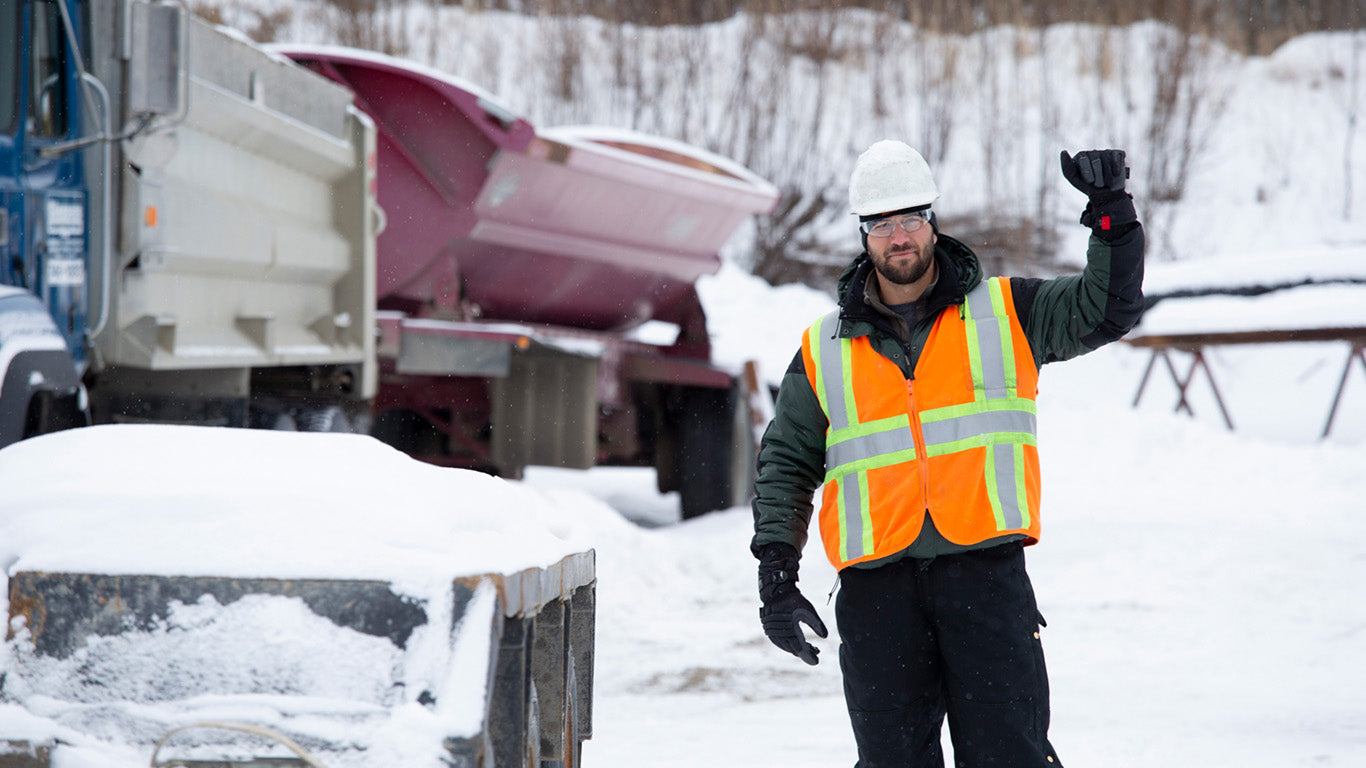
903, 257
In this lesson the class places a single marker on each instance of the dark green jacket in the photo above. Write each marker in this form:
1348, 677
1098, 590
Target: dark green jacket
1062, 318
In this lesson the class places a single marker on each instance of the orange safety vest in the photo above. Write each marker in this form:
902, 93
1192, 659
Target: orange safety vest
957, 440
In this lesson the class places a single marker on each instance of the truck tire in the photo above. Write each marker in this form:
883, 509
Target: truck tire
716, 460
42, 394
329, 418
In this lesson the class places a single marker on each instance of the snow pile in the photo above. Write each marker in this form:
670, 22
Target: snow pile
1295, 290
748, 319
252, 503
1231, 273
1308, 307
242, 504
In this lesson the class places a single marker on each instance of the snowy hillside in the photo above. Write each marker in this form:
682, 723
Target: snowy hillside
1262, 152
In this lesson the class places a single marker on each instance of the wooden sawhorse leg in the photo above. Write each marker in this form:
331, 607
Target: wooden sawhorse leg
1183, 382
1358, 352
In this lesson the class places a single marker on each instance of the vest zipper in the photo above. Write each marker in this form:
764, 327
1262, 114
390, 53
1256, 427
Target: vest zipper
919, 436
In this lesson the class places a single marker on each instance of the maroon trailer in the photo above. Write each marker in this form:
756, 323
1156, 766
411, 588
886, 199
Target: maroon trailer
516, 271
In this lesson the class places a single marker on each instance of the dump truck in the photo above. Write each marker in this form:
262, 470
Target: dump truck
187, 235
278, 598
196, 216
221, 236
196, 230
537, 286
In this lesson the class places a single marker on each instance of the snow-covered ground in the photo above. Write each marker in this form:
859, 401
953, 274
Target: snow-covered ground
1201, 585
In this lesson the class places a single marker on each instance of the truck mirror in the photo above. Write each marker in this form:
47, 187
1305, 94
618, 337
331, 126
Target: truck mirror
156, 69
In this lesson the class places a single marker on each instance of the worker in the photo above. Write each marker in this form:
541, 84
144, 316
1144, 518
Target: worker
913, 404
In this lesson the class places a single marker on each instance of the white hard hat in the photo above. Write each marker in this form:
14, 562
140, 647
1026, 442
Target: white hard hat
890, 176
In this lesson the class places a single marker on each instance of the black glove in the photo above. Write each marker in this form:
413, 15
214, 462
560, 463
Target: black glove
1100, 174
784, 609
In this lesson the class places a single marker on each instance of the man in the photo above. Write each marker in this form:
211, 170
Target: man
913, 404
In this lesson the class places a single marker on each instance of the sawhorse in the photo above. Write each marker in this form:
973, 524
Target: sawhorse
1194, 344
1183, 382
1358, 353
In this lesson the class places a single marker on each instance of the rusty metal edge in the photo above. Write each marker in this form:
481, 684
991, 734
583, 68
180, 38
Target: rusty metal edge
526, 592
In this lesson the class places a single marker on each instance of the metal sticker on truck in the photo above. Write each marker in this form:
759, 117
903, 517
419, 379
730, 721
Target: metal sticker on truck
65, 218
65, 272
65, 264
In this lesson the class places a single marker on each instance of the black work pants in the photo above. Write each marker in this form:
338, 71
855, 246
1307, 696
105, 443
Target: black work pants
955, 635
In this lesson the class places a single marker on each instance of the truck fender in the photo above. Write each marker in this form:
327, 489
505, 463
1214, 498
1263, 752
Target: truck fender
40, 389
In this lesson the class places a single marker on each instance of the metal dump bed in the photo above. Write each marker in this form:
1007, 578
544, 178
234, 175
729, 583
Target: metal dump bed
490, 217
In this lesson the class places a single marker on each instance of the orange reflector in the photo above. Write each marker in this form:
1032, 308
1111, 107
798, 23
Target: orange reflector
523, 342
150, 216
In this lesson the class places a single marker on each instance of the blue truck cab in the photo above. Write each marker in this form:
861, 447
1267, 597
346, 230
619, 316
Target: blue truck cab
44, 237
194, 216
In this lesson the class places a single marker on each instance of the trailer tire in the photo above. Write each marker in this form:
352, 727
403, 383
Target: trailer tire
716, 461
330, 418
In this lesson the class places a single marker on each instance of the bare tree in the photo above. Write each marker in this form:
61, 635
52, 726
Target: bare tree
1353, 104
1185, 109
794, 89
937, 68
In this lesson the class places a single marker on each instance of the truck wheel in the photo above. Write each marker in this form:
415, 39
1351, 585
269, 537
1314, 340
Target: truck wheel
52, 411
329, 418
716, 461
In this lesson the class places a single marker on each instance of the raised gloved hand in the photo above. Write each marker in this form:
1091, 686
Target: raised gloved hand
785, 609
1100, 174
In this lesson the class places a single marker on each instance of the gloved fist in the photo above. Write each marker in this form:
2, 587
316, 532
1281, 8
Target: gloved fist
1100, 174
1095, 171
784, 609
782, 620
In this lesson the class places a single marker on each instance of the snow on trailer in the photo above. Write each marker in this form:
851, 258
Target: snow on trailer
274, 598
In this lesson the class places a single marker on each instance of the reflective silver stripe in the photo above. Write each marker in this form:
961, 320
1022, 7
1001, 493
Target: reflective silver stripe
852, 510
991, 334
1003, 430
868, 447
974, 424
831, 355
1007, 503
831, 369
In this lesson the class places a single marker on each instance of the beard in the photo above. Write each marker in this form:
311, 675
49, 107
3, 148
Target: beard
903, 271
